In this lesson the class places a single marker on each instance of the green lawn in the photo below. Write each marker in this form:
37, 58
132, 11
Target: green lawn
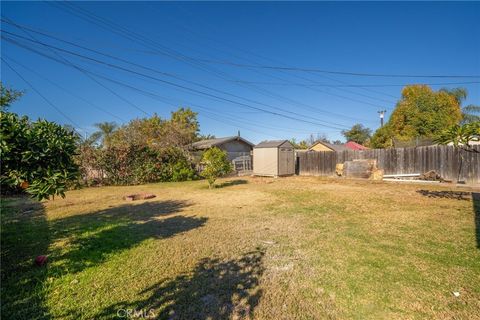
293, 248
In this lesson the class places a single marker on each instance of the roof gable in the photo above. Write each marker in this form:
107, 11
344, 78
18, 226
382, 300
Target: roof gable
205, 144
333, 147
274, 144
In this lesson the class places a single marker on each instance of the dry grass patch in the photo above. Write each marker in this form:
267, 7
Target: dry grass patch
293, 248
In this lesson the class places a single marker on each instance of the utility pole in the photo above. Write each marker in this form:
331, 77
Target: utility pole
382, 115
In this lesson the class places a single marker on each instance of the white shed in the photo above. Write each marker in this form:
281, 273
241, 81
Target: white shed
274, 158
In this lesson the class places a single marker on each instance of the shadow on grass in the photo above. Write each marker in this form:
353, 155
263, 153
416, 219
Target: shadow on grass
231, 183
95, 236
75, 225
215, 289
456, 195
460, 195
24, 235
89, 239
476, 212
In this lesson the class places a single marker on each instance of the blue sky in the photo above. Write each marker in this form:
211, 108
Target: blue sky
200, 45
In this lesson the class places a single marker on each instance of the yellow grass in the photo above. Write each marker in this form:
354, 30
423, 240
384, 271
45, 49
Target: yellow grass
256, 248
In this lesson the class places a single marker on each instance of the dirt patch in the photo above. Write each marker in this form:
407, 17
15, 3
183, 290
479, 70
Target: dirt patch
139, 196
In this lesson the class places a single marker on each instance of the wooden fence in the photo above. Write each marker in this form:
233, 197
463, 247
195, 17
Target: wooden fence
450, 162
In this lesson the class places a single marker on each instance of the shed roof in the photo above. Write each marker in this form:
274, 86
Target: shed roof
272, 144
206, 144
333, 147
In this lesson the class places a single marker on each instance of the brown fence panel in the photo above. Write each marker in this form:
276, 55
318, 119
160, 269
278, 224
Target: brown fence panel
450, 162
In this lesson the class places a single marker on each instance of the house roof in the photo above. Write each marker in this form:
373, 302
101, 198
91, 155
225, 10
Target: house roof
355, 146
206, 144
333, 147
271, 144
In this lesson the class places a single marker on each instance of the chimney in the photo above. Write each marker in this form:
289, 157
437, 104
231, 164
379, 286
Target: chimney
238, 133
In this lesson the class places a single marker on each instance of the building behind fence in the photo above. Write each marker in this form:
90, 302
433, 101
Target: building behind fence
242, 163
450, 162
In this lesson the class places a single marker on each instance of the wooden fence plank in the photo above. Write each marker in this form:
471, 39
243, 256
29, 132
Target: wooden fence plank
446, 160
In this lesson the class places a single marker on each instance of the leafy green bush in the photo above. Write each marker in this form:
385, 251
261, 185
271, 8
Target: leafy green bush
216, 164
129, 165
461, 135
133, 164
183, 171
177, 165
36, 156
383, 138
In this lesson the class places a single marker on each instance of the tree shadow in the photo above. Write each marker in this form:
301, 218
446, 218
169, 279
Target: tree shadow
456, 195
215, 289
231, 183
86, 240
75, 225
24, 235
93, 237
476, 212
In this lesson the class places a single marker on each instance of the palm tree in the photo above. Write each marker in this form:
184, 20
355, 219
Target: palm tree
459, 94
470, 113
105, 130
91, 139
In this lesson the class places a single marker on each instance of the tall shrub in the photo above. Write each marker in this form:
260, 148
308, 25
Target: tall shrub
36, 156
135, 164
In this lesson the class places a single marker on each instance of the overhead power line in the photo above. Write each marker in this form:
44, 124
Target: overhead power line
359, 85
216, 97
163, 50
65, 89
219, 116
189, 89
243, 65
32, 38
41, 95
197, 63
160, 72
232, 50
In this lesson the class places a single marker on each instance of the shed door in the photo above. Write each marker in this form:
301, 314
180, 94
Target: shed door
286, 161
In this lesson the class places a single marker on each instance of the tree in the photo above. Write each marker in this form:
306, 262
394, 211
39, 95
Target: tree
358, 133
461, 136
140, 132
420, 113
36, 156
460, 94
299, 145
144, 150
105, 132
179, 131
201, 137
312, 139
470, 113
383, 138
216, 164
182, 128
8, 96
91, 140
